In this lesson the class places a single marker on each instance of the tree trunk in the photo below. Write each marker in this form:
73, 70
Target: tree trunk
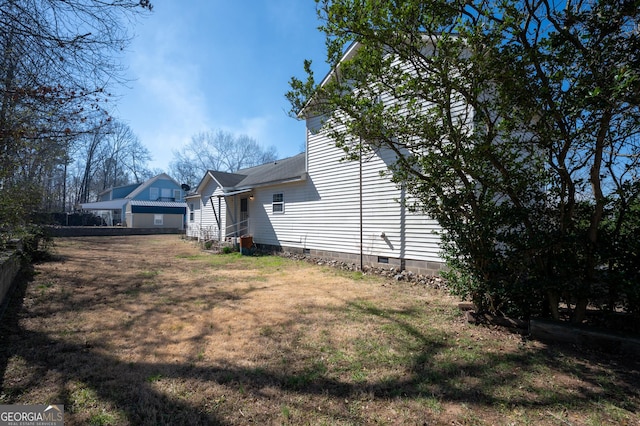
554, 302
580, 311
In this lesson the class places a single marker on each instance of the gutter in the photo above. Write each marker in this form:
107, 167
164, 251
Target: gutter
234, 191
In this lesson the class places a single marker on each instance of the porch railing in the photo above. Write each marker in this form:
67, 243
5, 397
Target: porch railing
211, 232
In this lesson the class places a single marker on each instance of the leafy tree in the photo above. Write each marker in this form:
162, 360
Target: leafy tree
515, 125
221, 151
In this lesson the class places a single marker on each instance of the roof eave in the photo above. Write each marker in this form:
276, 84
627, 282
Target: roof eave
351, 50
231, 191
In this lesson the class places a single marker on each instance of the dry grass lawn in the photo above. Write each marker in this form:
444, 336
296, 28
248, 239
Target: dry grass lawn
150, 330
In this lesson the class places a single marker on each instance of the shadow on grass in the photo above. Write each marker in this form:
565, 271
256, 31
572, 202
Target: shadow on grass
106, 377
436, 367
470, 377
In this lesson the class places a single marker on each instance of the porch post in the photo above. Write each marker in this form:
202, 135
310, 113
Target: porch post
220, 221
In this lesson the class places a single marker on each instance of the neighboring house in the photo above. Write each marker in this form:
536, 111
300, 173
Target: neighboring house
156, 203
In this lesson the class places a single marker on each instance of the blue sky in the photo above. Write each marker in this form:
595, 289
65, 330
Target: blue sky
218, 64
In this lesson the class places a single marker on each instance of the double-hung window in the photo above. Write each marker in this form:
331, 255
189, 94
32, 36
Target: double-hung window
277, 205
154, 193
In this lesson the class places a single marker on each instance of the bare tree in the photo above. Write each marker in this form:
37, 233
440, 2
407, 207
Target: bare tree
220, 151
123, 157
58, 60
111, 155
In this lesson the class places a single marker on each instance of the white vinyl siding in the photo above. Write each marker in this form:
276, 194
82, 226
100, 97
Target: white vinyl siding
209, 225
323, 212
204, 225
193, 226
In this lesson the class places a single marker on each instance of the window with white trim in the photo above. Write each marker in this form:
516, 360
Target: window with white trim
191, 212
158, 219
277, 205
177, 195
154, 193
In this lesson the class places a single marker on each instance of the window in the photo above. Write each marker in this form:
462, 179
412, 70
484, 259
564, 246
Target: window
166, 194
191, 213
154, 193
177, 195
158, 219
277, 206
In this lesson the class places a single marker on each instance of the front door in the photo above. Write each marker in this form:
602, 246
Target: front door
244, 216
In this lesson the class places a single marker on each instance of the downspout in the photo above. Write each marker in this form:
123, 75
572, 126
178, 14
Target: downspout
361, 220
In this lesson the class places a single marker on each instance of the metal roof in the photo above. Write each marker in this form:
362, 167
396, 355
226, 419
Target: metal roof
105, 205
158, 203
121, 202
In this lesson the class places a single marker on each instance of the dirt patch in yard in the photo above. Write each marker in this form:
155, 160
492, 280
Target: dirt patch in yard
150, 330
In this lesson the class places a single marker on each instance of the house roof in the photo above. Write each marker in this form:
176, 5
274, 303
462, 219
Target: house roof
227, 179
149, 182
121, 202
104, 205
274, 172
349, 53
157, 203
137, 188
223, 179
130, 185
157, 207
285, 170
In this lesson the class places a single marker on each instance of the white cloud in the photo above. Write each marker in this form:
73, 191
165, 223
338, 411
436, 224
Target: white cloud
166, 105
216, 66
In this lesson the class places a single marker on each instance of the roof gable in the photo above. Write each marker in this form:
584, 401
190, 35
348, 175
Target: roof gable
150, 182
222, 179
118, 191
227, 179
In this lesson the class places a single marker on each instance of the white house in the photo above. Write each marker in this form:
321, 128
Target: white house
314, 203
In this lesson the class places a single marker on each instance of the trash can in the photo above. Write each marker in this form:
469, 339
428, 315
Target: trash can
246, 245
